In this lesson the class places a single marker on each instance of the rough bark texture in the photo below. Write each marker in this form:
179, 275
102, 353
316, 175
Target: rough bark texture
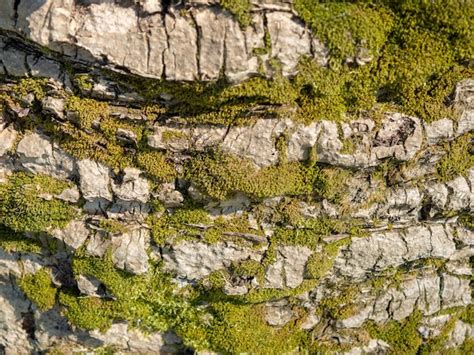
236, 176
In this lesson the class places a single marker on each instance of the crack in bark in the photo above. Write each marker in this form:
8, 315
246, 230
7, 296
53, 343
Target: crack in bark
16, 4
198, 30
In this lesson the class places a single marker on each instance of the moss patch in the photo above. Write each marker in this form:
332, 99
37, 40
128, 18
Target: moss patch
194, 223
321, 262
84, 82
242, 329
459, 158
467, 220
11, 241
419, 49
39, 289
341, 306
148, 301
88, 111
112, 226
31, 85
346, 26
332, 184
183, 221
403, 337
467, 315
23, 210
156, 166
219, 175
437, 344
240, 9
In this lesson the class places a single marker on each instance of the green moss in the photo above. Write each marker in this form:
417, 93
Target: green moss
181, 222
218, 176
316, 92
467, 315
243, 329
23, 210
249, 269
340, 306
34, 86
465, 348
332, 184
332, 94
83, 139
84, 82
449, 19
39, 289
212, 102
349, 146
172, 135
109, 127
237, 224
112, 226
88, 111
309, 232
260, 295
156, 166
11, 241
344, 26
420, 86
287, 212
467, 220
216, 280
106, 350
88, 313
392, 277
420, 49
92, 145
193, 222
148, 301
437, 344
240, 9
459, 158
403, 336
320, 263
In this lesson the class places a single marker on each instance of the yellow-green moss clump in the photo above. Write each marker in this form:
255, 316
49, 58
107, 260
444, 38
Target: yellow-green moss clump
332, 184
346, 26
84, 82
459, 158
193, 222
112, 226
242, 329
467, 220
249, 269
155, 165
23, 209
240, 9
438, 343
29, 85
403, 336
91, 145
88, 111
182, 222
39, 289
148, 301
219, 175
321, 262
341, 306
419, 49
11, 241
